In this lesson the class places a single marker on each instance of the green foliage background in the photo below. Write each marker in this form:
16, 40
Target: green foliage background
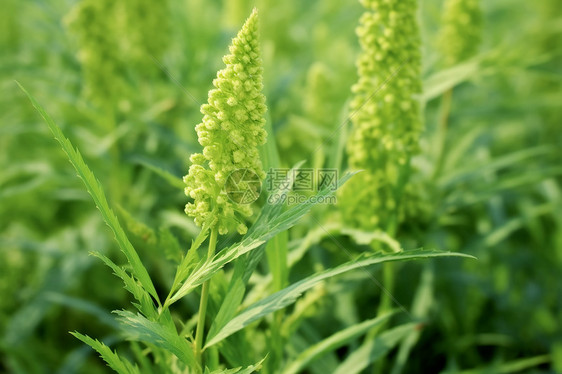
496, 193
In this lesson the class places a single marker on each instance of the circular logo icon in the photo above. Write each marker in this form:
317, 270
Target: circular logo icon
243, 186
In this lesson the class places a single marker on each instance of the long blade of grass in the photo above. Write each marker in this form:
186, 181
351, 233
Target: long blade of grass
504, 161
335, 341
96, 191
316, 235
232, 300
510, 367
374, 349
442, 81
289, 295
420, 309
276, 251
172, 179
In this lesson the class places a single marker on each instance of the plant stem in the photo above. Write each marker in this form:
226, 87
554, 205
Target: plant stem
388, 268
276, 251
442, 130
203, 304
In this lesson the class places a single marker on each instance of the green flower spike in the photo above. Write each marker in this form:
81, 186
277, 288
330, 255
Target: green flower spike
95, 27
386, 121
385, 117
461, 33
115, 38
231, 131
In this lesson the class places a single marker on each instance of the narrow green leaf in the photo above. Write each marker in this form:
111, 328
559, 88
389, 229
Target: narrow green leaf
269, 153
274, 249
476, 171
303, 309
373, 349
277, 259
510, 181
510, 226
142, 359
423, 300
288, 295
96, 191
442, 81
333, 342
120, 365
510, 367
136, 228
232, 300
141, 329
337, 148
173, 180
457, 154
189, 261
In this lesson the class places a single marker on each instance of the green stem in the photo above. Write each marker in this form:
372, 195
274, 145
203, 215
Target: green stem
388, 268
446, 102
392, 229
198, 351
276, 251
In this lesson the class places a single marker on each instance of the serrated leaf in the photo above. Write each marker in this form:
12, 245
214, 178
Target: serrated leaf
168, 243
120, 365
189, 260
146, 305
139, 328
288, 295
247, 370
137, 228
96, 191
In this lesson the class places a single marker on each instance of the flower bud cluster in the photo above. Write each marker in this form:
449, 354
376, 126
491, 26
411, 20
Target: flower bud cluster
230, 133
384, 111
115, 37
461, 30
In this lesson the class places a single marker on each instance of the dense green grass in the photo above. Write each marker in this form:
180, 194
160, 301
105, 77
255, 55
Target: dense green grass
302, 291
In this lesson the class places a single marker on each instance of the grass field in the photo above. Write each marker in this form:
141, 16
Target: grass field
372, 186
